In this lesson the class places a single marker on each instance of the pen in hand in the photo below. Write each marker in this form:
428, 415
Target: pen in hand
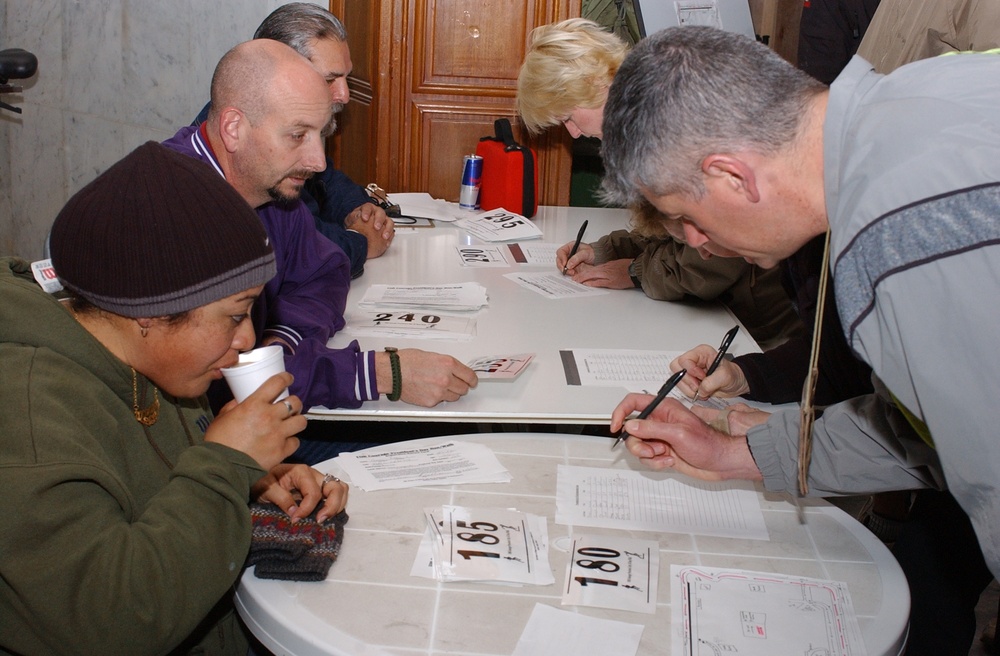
662, 394
576, 245
726, 341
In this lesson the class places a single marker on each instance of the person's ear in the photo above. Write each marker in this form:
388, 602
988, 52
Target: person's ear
144, 323
232, 125
734, 173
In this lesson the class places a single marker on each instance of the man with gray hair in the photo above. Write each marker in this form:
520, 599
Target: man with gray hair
757, 158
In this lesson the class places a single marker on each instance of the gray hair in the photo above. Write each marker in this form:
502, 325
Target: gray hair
297, 24
685, 93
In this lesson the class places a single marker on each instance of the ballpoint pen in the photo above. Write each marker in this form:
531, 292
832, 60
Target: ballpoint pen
726, 341
662, 394
576, 245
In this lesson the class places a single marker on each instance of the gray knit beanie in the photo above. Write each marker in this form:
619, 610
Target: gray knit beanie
159, 233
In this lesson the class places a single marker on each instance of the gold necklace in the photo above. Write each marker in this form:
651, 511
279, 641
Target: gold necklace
146, 416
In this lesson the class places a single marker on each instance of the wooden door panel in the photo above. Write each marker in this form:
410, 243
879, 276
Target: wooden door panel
445, 135
475, 46
430, 77
353, 149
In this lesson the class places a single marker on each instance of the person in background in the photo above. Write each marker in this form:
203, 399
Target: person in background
342, 208
830, 32
758, 158
264, 134
564, 79
903, 31
127, 521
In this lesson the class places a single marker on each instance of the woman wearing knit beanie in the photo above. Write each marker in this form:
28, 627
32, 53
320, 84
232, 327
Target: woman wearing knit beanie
127, 521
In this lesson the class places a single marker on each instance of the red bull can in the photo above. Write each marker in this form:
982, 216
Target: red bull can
472, 176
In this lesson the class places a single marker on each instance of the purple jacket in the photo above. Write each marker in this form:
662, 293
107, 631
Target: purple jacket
304, 303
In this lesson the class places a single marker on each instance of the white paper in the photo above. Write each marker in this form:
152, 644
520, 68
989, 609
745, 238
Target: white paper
612, 572
761, 614
552, 631
657, 501
423, 204
636, 371
411, 325
489, 255
395, 466
500, 225
465, 296
534, 253
489, 545
554, 285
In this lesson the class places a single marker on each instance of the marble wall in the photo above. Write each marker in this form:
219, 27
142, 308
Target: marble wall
112, 74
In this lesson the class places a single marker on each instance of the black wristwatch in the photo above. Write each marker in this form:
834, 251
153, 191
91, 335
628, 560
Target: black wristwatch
632, 274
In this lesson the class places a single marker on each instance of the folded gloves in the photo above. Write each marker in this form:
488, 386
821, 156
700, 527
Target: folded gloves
299, 551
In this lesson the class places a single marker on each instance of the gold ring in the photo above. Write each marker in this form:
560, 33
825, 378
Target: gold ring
291, 410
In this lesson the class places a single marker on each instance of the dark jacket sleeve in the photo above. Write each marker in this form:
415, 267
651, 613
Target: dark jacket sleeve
668, 269
777, 375
304, 307
330, 197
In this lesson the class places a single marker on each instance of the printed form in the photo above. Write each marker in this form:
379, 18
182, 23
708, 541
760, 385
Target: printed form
729, 611
657, 501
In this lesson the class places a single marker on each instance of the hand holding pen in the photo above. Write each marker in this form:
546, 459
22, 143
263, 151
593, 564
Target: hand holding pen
662, 394
576, 246
727, 340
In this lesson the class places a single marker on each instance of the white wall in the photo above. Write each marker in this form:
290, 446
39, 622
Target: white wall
112, 74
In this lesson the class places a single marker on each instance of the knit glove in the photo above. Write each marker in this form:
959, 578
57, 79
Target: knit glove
299, 551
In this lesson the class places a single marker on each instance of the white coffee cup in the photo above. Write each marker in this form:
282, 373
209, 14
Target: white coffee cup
254, 368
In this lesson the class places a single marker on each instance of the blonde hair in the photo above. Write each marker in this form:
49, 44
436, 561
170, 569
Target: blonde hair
648, 221
569, 65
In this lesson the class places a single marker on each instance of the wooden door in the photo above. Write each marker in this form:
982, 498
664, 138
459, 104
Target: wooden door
430, 77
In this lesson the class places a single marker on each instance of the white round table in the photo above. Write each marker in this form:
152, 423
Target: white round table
369, 603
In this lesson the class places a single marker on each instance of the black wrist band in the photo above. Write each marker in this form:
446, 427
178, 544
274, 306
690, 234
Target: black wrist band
397, 374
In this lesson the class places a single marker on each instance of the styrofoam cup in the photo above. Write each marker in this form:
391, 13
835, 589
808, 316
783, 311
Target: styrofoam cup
254, 368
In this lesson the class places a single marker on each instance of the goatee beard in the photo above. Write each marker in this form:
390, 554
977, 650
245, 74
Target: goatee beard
285, 201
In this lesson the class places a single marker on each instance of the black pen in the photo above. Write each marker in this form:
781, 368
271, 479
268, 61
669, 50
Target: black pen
662, 394
576, 245
726, 341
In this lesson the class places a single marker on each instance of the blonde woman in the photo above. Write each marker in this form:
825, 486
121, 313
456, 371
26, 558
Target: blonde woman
565, 78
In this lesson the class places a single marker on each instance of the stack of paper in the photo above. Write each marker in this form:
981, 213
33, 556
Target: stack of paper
500, 225
485, 544
401, 465
411, 325
459, 297
423, 205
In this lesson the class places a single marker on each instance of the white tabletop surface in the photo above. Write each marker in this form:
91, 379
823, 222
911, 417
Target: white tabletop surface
369, 603
518, 320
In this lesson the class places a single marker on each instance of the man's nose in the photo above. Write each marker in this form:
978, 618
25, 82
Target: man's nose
693, 236
339, 91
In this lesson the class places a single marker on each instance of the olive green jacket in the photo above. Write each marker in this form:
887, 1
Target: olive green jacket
672, 271
115, 539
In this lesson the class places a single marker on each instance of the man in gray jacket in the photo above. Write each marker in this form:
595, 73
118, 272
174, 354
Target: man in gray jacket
755, 157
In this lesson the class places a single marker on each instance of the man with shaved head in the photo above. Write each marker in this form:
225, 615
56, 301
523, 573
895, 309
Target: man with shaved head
265, 134
343, 210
